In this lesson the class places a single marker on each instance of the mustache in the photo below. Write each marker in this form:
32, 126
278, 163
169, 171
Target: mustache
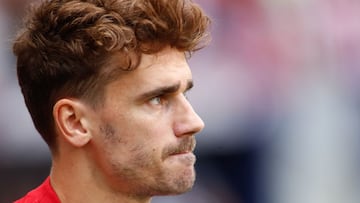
185, 145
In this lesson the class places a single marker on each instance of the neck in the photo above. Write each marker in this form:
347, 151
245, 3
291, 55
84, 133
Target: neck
76, 180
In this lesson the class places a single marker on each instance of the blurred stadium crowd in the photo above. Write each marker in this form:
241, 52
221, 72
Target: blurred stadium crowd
278, 89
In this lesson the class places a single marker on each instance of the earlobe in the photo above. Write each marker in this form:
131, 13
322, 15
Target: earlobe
71, 119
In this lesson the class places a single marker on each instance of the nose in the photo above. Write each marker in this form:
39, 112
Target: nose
187, 121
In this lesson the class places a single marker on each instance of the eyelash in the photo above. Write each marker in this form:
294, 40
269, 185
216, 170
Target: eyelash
158, 99
162, 99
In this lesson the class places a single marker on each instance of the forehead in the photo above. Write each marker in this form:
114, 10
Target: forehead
167, 58
163, 68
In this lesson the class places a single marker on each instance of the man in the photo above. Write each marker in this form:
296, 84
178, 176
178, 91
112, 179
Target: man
105, 84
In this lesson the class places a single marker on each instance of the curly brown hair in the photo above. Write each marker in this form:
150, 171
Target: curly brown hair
65, 44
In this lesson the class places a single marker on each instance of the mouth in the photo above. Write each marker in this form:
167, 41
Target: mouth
181, 150
186, 158
186, 147
181, 153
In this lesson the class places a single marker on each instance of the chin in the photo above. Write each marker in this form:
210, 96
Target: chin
185, 182
176, 179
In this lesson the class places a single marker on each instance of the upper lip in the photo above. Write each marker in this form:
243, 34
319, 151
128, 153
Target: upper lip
184, 148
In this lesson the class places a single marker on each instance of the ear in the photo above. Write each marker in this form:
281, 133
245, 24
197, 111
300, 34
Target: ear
72, 120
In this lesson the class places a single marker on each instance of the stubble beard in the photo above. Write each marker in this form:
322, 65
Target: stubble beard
164, 182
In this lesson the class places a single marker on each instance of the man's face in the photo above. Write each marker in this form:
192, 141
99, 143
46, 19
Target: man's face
144, 132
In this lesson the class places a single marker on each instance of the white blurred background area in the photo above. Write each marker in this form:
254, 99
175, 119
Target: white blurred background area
278, 89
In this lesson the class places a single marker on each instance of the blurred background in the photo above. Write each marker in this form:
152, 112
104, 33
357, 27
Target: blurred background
278, 89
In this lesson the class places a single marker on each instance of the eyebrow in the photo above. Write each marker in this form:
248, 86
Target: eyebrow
165, 90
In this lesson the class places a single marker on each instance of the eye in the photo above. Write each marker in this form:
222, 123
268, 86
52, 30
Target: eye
156, 100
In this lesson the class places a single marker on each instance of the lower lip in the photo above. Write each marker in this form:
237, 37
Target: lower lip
186, 158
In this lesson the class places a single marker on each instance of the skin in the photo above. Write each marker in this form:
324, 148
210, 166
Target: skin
138, 144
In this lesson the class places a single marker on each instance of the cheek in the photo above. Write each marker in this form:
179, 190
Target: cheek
133, 146
136, 137
135, 163
144, 157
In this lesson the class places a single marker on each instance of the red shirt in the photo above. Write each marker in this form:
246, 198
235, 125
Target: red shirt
42, 194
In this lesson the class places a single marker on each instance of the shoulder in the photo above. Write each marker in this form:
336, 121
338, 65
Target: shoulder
42, 194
